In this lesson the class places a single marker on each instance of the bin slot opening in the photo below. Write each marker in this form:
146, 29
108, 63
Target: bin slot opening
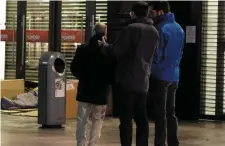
59, 65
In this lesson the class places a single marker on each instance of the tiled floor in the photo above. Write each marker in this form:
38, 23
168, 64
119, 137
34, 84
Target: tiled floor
24, 131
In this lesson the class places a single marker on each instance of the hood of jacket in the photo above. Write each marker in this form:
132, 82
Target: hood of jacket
169, 17
144, 20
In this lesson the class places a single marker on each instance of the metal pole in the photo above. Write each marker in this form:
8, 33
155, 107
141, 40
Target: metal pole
54, 40
21, 39
90, 19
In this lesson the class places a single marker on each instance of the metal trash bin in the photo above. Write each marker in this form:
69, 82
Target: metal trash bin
52, 89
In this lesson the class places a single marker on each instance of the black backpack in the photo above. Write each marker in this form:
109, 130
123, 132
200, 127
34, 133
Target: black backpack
76, 66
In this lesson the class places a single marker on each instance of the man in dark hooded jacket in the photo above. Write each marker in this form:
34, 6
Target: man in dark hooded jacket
95, 73
134, 50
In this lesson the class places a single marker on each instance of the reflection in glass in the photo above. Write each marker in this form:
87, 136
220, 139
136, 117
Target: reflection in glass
10, 47
73, 18
37, 20
208, 61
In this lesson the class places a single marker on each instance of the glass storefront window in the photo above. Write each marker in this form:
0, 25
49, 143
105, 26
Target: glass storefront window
73, 20
209, 31
10, 36
37, 23
212, 36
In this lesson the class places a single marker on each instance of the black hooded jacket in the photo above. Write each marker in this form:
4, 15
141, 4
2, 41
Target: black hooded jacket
134, 50
97, 74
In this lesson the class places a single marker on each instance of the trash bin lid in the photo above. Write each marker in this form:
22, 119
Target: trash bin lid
48, 58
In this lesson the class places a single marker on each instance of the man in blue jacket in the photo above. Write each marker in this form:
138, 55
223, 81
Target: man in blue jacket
165, 73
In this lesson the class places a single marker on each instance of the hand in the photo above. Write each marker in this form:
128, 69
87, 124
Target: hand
102, 42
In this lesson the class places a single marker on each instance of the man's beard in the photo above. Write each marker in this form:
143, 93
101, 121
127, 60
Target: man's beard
157, 20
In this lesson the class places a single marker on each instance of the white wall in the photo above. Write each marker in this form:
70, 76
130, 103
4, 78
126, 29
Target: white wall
2, 44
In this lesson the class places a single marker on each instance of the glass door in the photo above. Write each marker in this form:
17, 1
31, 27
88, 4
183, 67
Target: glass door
73, 28
212, 60
74, 24
8, 35
37, 24
36, 37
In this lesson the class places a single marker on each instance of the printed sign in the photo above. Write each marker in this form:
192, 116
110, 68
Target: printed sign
190, 34
59, 88
71, 36
69, 86
36, 36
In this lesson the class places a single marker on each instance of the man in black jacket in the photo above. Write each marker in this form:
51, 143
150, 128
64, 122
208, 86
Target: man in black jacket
95, 74
134, 50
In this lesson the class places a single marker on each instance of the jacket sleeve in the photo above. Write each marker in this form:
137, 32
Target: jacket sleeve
181, 52
76, 65
120, 47
161, 56
165, 61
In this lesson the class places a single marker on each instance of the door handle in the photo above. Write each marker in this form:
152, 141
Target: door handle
23, 35
82, 29
29, 45
99, 18
13, 47
92, 24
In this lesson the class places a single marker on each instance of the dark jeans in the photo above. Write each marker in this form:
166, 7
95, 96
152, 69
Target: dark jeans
166, 123
133, 105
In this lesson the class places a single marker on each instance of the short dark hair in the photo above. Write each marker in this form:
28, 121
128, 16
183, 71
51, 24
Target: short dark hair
141, 9
160, 5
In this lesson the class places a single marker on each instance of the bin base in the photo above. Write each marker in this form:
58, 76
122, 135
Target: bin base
51, 127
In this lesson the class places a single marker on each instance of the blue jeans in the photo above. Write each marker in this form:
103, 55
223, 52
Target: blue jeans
166, 124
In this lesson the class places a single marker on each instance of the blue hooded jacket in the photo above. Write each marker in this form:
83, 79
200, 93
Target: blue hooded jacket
169, 53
